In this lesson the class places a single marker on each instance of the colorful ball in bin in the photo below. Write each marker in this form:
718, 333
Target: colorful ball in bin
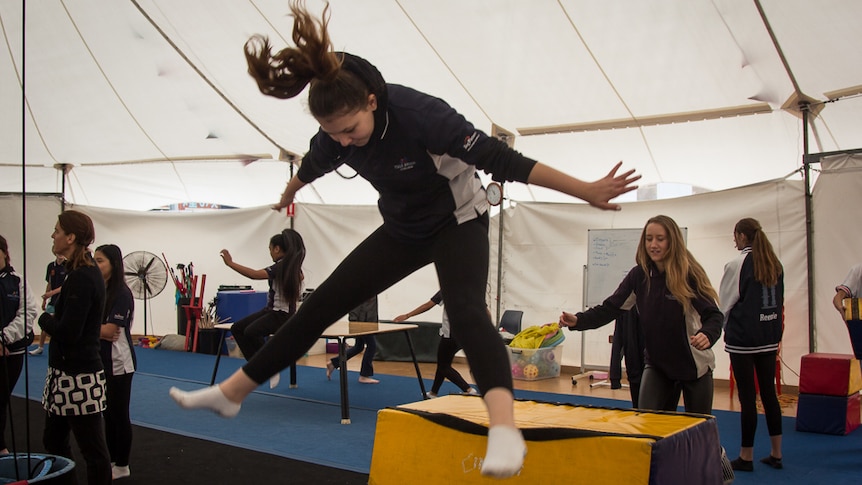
517, 370
548, 356
531, 371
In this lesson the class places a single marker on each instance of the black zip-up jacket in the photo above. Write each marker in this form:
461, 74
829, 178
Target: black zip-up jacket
422, 159
76, 325
665, 325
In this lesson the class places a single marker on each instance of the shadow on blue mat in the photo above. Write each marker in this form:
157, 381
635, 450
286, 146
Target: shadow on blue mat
305, 423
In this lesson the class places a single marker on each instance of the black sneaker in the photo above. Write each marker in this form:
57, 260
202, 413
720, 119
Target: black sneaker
773, 462
742, 465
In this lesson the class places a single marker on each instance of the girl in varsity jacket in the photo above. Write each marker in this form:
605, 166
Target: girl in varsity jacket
752, 299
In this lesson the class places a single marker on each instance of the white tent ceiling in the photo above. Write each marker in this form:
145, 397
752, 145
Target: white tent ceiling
149, 103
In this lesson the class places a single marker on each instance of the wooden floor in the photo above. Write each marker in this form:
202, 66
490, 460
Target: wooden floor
560, 385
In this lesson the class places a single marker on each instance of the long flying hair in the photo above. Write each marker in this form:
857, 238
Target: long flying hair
288, 270
767, 267
117, 279
79, 224
334, 91
681, 268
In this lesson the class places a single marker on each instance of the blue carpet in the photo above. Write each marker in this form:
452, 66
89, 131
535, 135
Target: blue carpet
304, 423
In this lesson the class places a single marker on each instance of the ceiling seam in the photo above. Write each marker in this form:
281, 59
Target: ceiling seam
777, 47
613, 88
117, 95
443, 61
218, 91
205, 78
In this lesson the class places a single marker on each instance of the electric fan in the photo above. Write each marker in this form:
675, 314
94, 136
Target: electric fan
146, 276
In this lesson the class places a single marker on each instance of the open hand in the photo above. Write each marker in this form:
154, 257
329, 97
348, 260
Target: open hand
610, 186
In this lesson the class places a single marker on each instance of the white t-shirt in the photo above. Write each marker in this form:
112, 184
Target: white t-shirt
853, 282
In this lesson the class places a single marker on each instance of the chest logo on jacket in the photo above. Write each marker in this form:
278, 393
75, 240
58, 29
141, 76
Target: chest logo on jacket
403, 165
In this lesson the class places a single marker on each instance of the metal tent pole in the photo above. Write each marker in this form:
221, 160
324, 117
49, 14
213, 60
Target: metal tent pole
808, 229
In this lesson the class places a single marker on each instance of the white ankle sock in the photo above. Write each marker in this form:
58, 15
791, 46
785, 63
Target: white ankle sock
207, 398
274, 380
118, 472
505, 454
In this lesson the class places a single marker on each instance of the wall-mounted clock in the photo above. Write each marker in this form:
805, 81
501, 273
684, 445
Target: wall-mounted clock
494, 193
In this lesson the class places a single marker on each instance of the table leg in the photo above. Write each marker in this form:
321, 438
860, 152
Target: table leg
342, 367
218, 354
416, 364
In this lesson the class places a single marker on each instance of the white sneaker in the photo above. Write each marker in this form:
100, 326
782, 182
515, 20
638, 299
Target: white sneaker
118, 472
274, 380
36, 351
430, 395
472, 392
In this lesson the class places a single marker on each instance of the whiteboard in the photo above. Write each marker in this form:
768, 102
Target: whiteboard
610, 256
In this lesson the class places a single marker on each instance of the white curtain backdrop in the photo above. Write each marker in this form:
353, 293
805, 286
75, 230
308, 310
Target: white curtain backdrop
837, 243
543, 257
545, 250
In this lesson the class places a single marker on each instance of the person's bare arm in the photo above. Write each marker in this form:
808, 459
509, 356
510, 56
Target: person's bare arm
838, 301
251, 273
110, 332
289, 193
416, 311
46, 296
597, 194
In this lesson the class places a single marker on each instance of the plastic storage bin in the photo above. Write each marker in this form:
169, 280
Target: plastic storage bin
534, 364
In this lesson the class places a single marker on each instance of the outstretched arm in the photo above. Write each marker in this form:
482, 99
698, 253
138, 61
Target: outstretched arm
416, 311
251, 273
598, 193
289, 193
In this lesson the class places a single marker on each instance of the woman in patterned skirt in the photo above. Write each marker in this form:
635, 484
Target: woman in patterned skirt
74, 395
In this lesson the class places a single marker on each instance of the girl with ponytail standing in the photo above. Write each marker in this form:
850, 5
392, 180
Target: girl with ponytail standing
118, 356
752, 300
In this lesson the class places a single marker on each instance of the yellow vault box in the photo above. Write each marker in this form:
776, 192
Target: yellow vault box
443, 441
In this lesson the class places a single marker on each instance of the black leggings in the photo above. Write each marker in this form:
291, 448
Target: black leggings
661, 393
251, 332
10, 370
89, 433
446, 351
460, 256
118, 424
745, 367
